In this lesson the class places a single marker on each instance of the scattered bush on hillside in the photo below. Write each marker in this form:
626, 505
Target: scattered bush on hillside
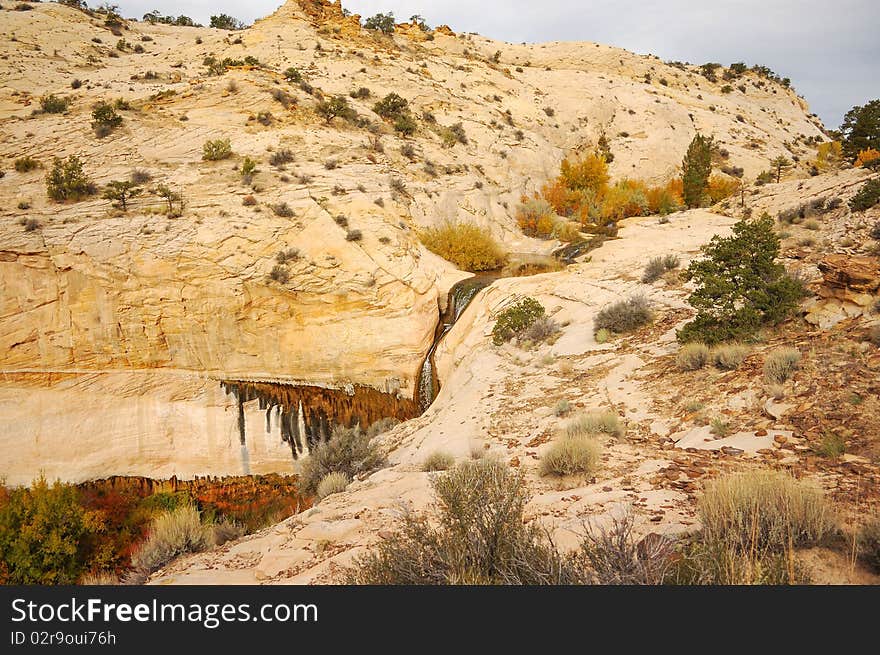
216, 149
467, 245
569, 455
121, 191
781, 364
516, 319
869, 542
751, 523
350, 451
657, 266
171, 534
281, 157
477, 537
336, 107
438, 461
105, 119
26, 164
226, 22
381, 23
332, 483
692, 356
52, 104
67, 181
728, 357
740, 286
624, 315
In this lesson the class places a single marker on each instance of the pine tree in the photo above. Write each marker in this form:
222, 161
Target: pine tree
696, 167
779, 164
121, 192
861, 129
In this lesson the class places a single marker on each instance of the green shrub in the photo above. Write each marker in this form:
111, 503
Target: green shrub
692, 356
867, 196
226, 22
624, 316
869, 542
337, 106
248, 169
293, 75
569, 455
52, 104
405, 124
26, 164
42, 531
67, 181
759, 509
467, 245
381, 23
781, 364
171, 534
514, 320
438, 461
332, 483
121, 191
349, 450
740, 285
216, 150
477, 537
391, 107
595, 423
729, 357
105, 119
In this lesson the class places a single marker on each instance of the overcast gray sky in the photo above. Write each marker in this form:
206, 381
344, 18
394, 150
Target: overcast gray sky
829, 48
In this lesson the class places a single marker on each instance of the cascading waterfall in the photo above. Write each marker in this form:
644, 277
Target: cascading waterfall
460, 296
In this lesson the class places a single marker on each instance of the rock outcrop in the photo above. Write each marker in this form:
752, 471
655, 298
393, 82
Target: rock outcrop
109, 296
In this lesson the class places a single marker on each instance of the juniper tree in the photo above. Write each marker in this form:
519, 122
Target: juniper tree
779, 164
121, 192
740, 286
696, 167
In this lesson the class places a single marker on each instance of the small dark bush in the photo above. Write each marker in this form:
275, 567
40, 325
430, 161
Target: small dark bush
283, 97
280, 274
361, 93
31, 224
293, 75
105, 119
52, 104
26, 164
76, 83
354, 235
657, 266
281, 157
624, 316
282, 209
